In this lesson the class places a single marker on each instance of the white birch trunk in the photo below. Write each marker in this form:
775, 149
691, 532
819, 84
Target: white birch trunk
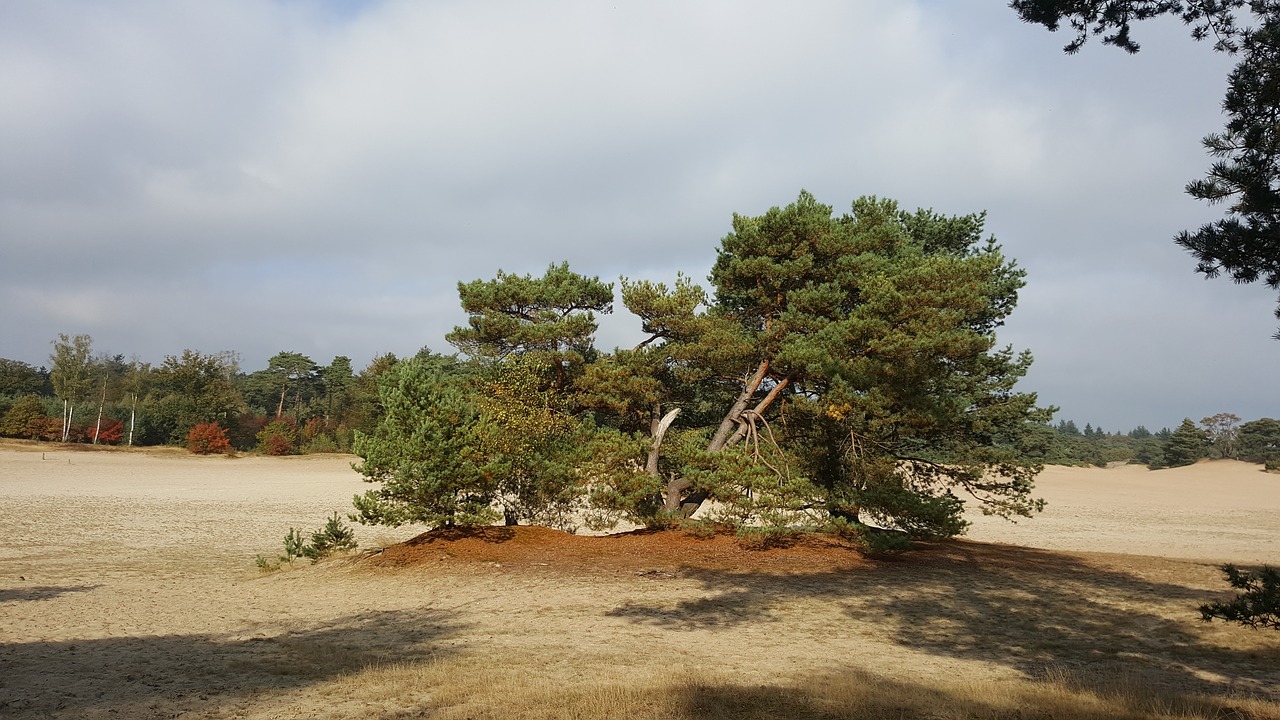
98, 429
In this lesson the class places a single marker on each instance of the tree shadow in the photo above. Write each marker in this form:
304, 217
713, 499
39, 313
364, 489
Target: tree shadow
140, 676
1031, 610
859, 694
42, 592
484, 533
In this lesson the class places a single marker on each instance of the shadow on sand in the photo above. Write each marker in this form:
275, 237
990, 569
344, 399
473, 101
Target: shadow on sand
42, 592
168, 675
1035, 611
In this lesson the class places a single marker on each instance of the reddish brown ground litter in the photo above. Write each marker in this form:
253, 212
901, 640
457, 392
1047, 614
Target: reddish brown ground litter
634, 552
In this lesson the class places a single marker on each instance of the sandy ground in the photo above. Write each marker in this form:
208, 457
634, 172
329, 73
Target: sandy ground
128, 589
1213, 510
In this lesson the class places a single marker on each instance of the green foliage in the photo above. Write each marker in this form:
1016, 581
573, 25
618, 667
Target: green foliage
1065, 444
290, 370
463, 447
551, 317
294, 544
1260, 441
844, 367
26, 419
1187, 445
208, 439
268, 565
278, 437
424, 453
620, 489
190, 389
71, 375
334, 537
1258, 606
1223, 433
529, 441
18, 378
879, 390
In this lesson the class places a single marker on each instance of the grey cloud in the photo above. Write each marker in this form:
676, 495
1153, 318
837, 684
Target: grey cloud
339, 172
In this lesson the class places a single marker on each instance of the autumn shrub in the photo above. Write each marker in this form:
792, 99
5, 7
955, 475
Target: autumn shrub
314, 428
109, 432
321, 444
279, 437
244, 428
208, 439
49, 428
24, 419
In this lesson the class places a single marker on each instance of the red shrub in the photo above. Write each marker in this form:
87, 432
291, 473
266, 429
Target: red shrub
279, 445
111, 432
208, 439
48, 428
313, 429
278, 437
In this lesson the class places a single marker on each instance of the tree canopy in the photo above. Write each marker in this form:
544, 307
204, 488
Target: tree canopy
1244, 245
843, 369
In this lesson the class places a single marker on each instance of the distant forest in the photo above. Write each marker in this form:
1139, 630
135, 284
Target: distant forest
297, 406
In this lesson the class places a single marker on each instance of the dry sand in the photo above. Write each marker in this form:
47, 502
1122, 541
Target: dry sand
128, 589
1213, 510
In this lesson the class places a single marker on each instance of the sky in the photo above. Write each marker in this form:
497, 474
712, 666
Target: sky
269, 175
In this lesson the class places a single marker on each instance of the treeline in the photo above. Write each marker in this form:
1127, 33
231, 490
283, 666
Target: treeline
294, 405
1220, 436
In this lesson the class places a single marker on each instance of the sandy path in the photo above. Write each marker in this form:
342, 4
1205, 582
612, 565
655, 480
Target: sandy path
128, 589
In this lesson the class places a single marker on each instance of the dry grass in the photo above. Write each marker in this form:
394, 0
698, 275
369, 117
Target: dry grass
457, 689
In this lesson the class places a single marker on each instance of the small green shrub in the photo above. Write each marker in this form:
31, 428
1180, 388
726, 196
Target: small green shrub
701, 528
293, 544
886, 542
321, 444
333, 537
267, 565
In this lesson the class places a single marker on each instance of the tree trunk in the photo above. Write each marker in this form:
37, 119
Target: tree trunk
659, 430
133, 414
284, 389
723, 439
98, 428
758, 411
734, 416
675, 486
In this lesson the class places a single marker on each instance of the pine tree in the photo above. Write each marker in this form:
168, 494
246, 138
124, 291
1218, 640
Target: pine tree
851, 360
424, 451
1186, 445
